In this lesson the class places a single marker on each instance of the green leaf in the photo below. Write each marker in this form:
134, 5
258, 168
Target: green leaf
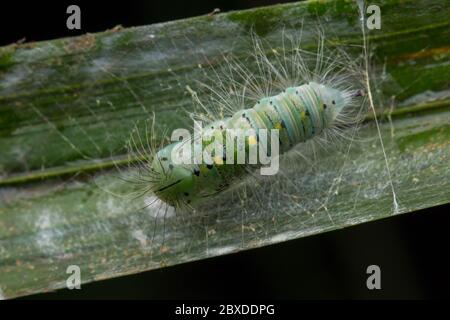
67, 107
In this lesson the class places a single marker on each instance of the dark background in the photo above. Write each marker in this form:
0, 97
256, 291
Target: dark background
46, 19
411, 249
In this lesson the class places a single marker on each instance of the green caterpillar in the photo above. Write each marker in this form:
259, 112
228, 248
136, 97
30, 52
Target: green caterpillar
298, 113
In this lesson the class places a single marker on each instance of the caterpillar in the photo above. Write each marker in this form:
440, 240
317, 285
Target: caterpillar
299, 113
317, 102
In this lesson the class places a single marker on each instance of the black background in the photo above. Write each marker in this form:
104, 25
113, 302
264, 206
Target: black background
46, 19
411, 249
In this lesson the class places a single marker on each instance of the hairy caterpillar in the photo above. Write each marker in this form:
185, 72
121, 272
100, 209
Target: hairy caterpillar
299, 113
310, 103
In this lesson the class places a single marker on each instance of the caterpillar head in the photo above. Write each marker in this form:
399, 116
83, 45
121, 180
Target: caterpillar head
334, 100
171, 182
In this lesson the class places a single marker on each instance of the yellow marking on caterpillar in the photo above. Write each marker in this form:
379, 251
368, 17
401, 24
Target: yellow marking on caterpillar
203, 169
303, 115
252, 140
218, 160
